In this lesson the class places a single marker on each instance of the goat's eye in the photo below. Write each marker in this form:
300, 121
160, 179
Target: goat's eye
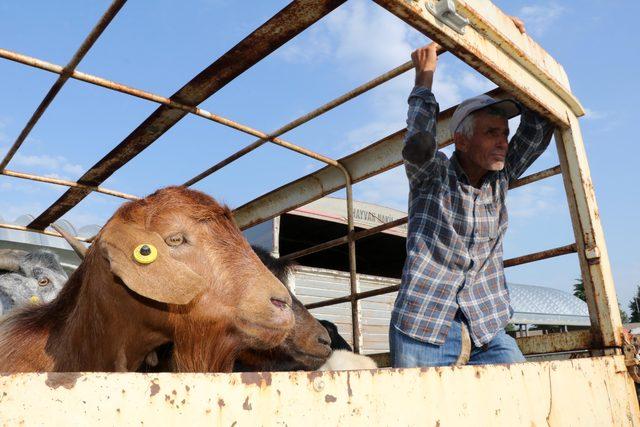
175, 240
44, 281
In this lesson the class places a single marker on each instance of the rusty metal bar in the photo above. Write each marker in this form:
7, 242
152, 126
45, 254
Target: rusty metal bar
65, 73
554, 343
33, 230
400, 221
281, 28
138, 93
511, 262
535, 177
353, 277
357, 296
309, 116
537, 256
66, 183
539, 344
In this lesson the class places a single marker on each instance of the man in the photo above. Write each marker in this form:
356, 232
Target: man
453, 279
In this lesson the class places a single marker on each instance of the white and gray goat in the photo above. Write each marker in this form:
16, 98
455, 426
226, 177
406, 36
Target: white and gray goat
28, 277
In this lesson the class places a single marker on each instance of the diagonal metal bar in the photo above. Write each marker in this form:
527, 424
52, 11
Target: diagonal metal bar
102, 24
309, 116
67, 183
282, 27
138, 93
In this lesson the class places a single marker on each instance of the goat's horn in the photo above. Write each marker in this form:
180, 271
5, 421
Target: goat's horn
78, 247
10, 259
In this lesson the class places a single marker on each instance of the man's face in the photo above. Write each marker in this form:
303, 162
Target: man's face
487, 147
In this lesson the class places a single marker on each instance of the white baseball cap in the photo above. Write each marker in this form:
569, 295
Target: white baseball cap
510, 107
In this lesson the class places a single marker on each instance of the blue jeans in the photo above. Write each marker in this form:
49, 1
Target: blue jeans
407, 352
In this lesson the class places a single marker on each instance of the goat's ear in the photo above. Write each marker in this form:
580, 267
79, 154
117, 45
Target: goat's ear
165, 279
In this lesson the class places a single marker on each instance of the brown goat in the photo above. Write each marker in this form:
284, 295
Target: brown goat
306, 347
118, 305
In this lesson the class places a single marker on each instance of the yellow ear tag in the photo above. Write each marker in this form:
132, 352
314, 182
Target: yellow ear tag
34, 299
145, 253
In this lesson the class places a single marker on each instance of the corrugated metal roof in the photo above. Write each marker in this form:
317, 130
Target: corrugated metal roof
546, 306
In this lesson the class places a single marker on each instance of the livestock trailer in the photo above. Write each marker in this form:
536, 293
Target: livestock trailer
597, 390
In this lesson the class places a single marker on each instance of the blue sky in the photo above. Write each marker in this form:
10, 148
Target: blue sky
158, 46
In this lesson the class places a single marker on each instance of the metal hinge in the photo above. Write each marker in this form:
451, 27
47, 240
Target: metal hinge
445, 11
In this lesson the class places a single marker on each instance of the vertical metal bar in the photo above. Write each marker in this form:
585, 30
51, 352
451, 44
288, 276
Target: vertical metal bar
592, 250
275, 244
353, 277
105, 20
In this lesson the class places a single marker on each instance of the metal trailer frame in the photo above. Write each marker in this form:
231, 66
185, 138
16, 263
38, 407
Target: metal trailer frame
493, 46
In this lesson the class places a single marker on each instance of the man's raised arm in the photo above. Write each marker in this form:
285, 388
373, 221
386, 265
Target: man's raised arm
420, 144
529, 142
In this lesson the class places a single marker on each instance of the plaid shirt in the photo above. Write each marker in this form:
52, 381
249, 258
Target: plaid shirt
455, 231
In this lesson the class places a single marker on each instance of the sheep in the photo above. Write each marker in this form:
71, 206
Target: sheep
28, 277
342, 357
171, 267
344, 360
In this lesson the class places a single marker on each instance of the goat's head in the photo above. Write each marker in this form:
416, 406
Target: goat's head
307, 346
180, 247
29, 277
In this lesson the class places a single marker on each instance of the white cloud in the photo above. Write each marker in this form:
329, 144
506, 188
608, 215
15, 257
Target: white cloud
369, 37
532, 200
539, 18
312, 46
358, 35
49, 163
476, 82
82, 218
389, 189
11, 211
590, 114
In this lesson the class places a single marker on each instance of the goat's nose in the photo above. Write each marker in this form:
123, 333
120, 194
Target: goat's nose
279, 303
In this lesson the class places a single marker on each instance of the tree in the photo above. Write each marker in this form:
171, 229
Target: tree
624, 316
578, 291
634, 306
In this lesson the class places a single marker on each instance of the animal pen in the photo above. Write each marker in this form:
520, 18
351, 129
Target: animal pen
595, 390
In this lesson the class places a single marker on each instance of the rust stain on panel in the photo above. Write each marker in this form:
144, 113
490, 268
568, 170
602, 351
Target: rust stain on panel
62, 379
